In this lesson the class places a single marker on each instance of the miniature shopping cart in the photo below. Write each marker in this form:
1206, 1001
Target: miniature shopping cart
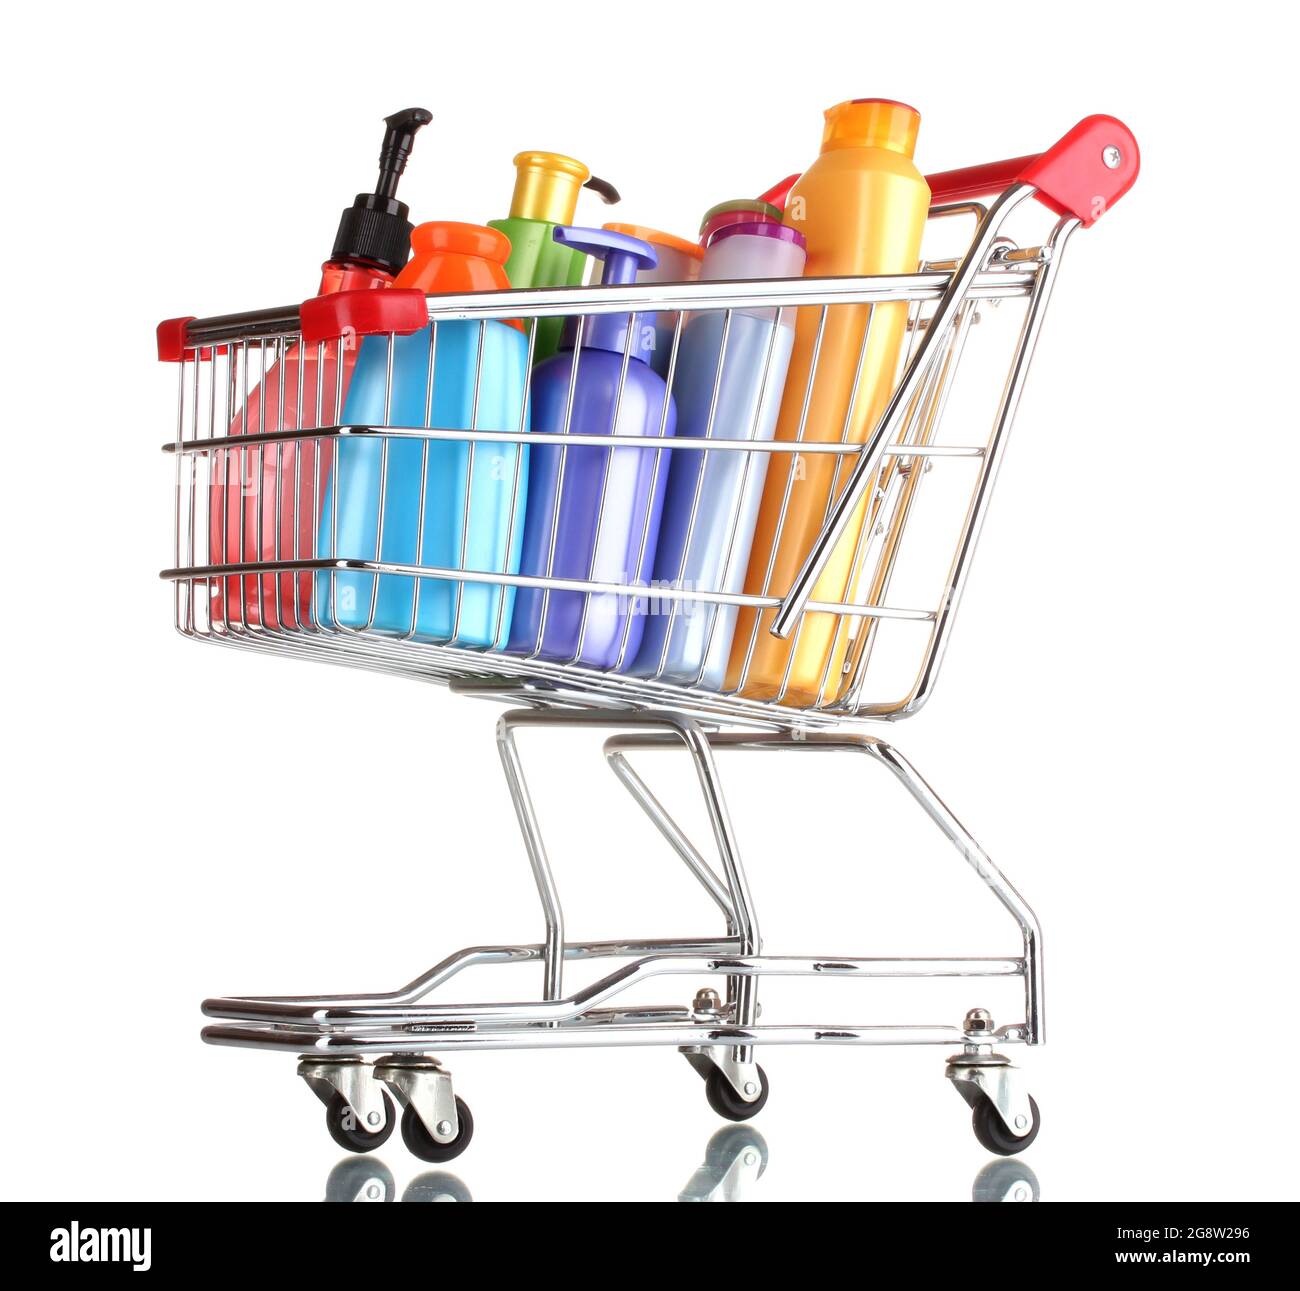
250, 578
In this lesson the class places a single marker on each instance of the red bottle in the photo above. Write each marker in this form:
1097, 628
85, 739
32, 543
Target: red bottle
372, 245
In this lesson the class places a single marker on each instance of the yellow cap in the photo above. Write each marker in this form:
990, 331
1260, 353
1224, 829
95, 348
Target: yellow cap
547, 187
871, 123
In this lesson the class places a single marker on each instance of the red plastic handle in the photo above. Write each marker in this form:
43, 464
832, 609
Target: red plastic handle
973, 182
1083, 174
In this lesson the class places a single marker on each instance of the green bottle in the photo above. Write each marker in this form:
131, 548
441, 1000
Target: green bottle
547, 185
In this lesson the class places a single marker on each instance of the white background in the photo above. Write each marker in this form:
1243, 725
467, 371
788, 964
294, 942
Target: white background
1116, 721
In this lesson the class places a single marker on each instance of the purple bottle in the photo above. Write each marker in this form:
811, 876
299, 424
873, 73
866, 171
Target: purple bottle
593, 513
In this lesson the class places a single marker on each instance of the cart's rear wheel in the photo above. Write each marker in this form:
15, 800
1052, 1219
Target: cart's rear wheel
423, 1145
346, 1130
726, 1102
992, 1132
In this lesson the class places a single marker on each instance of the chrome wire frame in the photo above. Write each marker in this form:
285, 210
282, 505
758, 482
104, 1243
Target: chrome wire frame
645, 714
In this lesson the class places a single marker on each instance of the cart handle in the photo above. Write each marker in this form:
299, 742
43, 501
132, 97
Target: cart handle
1083, 174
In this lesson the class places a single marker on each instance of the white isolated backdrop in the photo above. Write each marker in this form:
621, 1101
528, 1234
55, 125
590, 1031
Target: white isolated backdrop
1115, 722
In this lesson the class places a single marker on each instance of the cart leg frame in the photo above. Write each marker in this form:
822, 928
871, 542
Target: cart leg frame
719, 1040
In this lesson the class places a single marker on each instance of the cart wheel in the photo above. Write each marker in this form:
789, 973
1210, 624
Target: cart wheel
341, 1121
726, 1102
993, 1133
423, 1145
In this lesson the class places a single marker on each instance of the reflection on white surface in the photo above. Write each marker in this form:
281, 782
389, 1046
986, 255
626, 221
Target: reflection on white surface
735, 1159
366, 1178
1005, 1179
360, 1179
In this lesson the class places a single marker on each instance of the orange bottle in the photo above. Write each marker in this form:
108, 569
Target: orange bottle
862, 207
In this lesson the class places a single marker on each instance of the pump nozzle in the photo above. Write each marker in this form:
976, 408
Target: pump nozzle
624, 256
608, 193
399, 139
374, 230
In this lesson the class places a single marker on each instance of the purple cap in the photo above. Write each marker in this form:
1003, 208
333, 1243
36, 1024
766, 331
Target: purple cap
761, 229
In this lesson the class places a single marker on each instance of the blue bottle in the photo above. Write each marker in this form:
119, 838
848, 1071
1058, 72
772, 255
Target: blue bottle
728, 385
593, 512
473, 493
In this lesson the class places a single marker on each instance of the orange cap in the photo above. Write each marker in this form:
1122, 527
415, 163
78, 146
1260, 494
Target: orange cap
658, 238
871, 123
449, 257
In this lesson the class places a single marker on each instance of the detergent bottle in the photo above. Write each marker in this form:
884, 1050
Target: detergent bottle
547, 185
728, 384
862, 207
372, 244
676, 260
594, 512
470, 515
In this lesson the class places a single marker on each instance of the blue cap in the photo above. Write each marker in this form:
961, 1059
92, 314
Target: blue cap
624, 258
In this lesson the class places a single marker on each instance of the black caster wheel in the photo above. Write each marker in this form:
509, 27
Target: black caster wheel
726, 1102
994, 1135
347, 1131
358, 1179
423, 1145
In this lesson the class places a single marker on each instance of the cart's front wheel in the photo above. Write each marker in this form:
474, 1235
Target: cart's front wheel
726, 1102
423, 1145
346, 1129
992, 1132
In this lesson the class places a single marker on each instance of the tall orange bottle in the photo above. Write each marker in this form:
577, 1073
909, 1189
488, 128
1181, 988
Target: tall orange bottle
862, 207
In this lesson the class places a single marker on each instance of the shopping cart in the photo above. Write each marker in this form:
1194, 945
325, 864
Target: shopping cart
262, 593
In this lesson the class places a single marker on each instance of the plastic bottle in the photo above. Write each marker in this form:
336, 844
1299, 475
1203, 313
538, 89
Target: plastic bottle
739, 210
594, 512
676, 260
435, 530
862, 206
371, 245
728, 384
547, 185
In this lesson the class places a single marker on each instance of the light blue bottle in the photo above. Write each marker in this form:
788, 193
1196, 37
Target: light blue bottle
474, 494
722, 392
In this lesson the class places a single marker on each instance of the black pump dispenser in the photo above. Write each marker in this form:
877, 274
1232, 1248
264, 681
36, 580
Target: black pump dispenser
374, 231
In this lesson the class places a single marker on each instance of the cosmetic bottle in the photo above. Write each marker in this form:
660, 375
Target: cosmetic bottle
594, 512
448, 503
371, 246
730, 375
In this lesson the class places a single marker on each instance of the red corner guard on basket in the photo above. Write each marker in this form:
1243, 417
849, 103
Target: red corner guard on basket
171, 339
1083, 174
364, 312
